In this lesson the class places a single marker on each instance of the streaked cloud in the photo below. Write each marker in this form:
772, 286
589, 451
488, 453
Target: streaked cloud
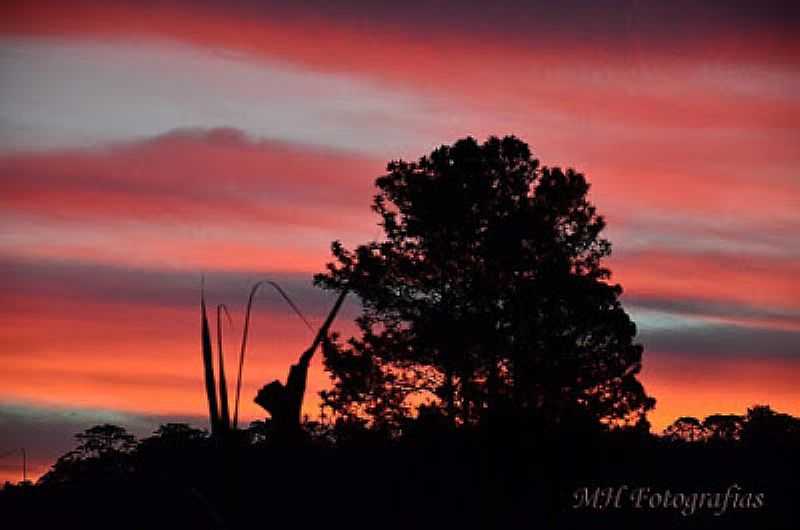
60, 93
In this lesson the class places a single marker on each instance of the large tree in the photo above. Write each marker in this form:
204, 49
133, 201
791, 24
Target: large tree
486, 294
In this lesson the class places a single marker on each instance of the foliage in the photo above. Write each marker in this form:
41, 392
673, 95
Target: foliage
760, 427
685, 428
181, 477
487, 296
102, 440
103, 451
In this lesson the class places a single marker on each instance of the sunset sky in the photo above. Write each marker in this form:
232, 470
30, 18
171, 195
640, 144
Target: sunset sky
145, 143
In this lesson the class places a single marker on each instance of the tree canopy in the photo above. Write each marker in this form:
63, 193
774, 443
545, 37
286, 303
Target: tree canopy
487, 295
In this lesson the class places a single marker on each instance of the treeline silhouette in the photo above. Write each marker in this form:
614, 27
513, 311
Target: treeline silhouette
492, 383
434, 475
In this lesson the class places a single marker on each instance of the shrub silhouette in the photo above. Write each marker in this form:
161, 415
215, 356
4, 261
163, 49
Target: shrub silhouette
182, 477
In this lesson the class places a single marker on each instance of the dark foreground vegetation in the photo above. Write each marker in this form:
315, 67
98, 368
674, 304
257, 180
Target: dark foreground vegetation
493, 384
433, 476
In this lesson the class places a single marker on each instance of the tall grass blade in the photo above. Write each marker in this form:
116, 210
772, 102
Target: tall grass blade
208, 366
242, 351
291, 304
246, 331
225, 418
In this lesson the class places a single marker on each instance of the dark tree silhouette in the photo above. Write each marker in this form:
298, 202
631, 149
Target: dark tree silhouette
487, 295
105, 439
764, 427
686, 429
723, 428
175, 435
103, 451
761, 428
